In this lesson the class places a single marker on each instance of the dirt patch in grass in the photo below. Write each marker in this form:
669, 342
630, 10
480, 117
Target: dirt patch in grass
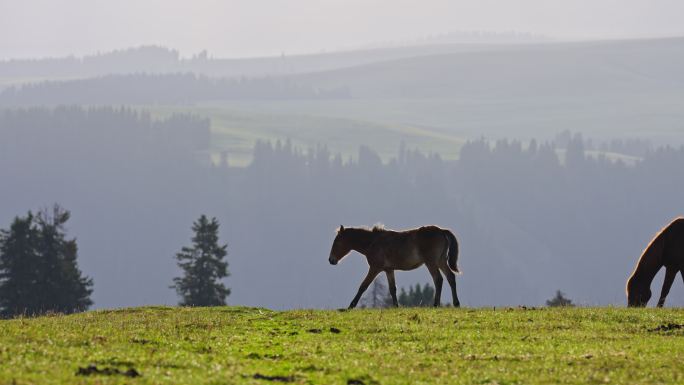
259, 376
668, 327
91, 370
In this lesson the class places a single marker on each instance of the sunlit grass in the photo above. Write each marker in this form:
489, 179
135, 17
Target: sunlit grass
418, 346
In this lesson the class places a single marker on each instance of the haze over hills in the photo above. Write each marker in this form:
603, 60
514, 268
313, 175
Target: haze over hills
521, 71
156, 59
416, 137
532, 90
537, 90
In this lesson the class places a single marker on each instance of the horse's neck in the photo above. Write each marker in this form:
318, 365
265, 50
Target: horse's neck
646, 273
362, 240
650, 262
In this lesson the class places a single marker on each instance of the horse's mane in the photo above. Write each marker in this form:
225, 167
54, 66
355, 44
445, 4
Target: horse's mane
377, 228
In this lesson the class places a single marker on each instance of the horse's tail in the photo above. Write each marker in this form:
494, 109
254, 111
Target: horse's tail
452, 253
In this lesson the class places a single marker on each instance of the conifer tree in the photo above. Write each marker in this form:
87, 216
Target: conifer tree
559, 300
417, 296
18, 259
203, 266
38, 267
378, 296
64, 289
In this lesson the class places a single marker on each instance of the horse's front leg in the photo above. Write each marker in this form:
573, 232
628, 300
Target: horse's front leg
372, 273
670, 273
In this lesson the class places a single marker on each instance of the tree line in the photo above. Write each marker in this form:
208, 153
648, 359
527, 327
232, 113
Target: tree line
172, 88
139, 59
532, 216
39, 271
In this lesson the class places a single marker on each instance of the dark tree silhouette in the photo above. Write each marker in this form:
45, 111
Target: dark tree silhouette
417, 296
203, 267
18, 259
505, 197
377, 296
559, 300
38, 267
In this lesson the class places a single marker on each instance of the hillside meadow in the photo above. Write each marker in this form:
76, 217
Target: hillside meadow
236, 129
237, 345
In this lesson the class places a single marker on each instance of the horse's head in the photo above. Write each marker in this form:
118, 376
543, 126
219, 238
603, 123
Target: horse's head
340, 247
638, 294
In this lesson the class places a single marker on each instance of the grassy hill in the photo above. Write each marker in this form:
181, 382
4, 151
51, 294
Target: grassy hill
235, 129
582, 69
155, 59
231, 345
605, 89
434, 97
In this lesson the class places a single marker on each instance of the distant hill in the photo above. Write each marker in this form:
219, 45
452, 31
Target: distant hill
521, 71
629, 89
155, 59
588, 69
178, 88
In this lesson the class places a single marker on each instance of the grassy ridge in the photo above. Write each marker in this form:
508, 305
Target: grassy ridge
418, 346
236, 130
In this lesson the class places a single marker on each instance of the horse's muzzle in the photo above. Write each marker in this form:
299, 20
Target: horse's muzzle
332, 261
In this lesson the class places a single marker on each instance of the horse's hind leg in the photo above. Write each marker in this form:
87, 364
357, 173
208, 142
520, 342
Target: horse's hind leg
372, 273
670, 273
451, 278
392, 286
437, 279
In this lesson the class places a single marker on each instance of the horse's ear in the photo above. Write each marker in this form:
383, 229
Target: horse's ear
341, 229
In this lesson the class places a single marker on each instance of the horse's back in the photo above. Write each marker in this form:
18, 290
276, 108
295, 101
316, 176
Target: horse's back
675, 230
677, 224
406, 250
432, 241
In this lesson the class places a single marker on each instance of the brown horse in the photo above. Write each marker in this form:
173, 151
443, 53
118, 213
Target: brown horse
388, 250
666, 249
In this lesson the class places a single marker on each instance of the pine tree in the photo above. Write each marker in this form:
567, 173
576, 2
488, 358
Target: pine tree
559, 300
427, 296
417, 296
378, 296
64, 289
203, 267
38, 267
403, 298
18, 259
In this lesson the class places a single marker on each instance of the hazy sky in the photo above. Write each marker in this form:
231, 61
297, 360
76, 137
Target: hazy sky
232, 28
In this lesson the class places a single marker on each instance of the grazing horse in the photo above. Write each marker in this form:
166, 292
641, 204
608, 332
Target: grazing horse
388, 250
666, 249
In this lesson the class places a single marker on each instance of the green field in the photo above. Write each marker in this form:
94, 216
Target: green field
164, 345
429, 125
235, 129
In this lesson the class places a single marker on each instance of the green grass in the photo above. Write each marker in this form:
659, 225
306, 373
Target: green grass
599, 118
406, 346
236, 129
